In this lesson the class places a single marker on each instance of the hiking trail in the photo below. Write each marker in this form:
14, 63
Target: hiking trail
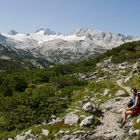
109, 128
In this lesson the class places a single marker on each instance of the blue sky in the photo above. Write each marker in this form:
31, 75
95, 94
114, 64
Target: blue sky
65, 15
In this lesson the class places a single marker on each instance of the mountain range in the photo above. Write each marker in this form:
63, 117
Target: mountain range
55, 47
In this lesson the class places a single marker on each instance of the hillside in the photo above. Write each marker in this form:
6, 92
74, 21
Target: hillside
12, 58
80, 100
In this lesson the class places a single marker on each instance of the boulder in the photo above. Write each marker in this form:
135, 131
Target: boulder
71, 118
87, 121
45, 132
120, 93
89, 107
19, 137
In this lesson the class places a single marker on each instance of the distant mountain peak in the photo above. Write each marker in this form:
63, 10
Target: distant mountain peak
12, 32
82, 31
46, 31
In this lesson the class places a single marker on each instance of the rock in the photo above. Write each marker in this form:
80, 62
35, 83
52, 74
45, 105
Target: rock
54, 121
120, 93
89, 107
138, 120
66, 137
75, 111
53, 116
137, 132
71, 118
45, 132
82, 76
87, 121
128, 79
19, 137
86, 99
60, 133
106, 92
131, 132
79, 132
135, 66
28, 132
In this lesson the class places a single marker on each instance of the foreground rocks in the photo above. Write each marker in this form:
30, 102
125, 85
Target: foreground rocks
89, 107
87, 121
71, 118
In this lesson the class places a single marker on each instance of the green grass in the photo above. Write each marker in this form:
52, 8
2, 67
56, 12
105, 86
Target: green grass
98, 89
134, 82
9, 134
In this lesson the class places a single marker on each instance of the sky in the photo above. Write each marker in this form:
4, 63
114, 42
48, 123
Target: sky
25, 16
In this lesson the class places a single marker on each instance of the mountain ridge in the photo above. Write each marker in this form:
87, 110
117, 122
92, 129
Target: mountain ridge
61, 48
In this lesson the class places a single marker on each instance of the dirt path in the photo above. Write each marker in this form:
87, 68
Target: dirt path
109, 129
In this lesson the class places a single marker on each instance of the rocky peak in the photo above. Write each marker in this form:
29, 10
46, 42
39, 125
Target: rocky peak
12, 32
46, 31
86, 31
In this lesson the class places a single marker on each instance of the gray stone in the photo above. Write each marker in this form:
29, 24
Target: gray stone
131, 132
87, 121
54, 121
45, 132
79, 132
106, 92
19, 137
86, 99
89, 107
66, 137
128, 78
71, 118
120, 93
53, 116
28, 132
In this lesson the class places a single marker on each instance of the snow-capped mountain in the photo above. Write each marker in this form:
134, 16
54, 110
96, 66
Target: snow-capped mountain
59, 48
